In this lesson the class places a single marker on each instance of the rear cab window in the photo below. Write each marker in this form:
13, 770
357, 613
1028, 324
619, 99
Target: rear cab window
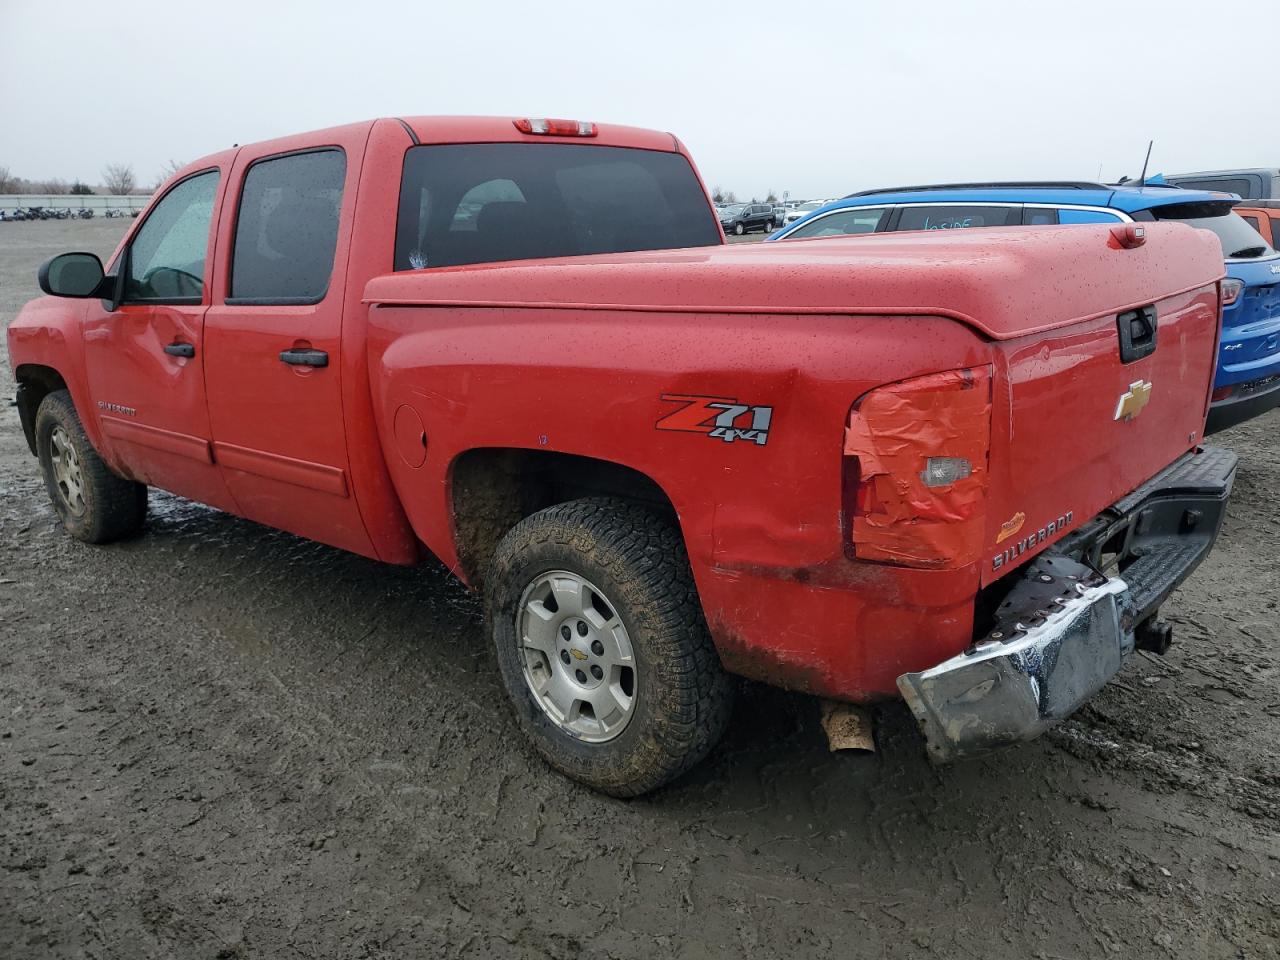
490, 202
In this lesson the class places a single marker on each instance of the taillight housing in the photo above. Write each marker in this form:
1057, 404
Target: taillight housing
555, 128
1231, 290
916, 470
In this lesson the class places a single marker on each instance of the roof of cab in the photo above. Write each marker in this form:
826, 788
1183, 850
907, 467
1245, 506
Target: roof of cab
1002, 283
503, 130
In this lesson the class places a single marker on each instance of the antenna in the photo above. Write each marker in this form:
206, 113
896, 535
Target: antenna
1142, 180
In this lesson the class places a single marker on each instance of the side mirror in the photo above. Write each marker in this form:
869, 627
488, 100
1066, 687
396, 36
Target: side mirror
71, 275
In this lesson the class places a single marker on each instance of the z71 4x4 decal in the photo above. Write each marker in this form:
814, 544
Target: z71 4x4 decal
720, 417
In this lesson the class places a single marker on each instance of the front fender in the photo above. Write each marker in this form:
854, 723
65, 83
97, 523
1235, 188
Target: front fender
46, 336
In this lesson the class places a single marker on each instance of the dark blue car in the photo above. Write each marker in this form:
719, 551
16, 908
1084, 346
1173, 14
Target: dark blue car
1248, 377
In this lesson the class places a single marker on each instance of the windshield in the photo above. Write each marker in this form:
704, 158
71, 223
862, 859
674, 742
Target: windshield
1239, 240
732, 210
486, 202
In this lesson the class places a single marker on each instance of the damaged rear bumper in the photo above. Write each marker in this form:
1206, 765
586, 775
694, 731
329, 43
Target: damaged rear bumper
1064, 629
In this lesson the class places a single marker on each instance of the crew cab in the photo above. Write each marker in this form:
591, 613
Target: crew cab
1247, 383
960, 467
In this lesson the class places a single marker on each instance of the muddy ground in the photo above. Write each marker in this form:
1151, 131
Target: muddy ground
221, 741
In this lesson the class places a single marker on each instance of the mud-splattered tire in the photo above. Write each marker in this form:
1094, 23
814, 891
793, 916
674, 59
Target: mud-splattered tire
640, 593
94, 504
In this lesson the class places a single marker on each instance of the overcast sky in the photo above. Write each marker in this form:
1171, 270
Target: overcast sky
815, 98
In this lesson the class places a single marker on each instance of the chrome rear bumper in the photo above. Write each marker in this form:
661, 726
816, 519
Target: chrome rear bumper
1064, 629
998, 693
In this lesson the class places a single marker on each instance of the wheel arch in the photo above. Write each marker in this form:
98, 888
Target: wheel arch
491, 489
35, 382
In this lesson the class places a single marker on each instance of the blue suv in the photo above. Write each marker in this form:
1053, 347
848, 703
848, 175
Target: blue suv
1248, 376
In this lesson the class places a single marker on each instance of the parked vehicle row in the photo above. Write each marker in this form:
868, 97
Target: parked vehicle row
1255, 183
1248, 375
742, 218
798, 210
962, 467
61, 213
1263, 216
47, 213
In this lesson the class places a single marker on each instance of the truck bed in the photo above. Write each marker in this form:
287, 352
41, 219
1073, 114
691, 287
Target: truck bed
1003, 283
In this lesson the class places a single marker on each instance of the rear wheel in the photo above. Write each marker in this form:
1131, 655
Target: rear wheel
94, 504
602, 646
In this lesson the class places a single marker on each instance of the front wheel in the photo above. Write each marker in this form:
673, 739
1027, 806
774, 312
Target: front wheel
602, 646
739, 229
94, 504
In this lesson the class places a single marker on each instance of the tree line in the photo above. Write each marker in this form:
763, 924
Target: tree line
720, 195
117, 179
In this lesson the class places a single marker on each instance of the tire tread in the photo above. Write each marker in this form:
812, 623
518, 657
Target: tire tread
641, 548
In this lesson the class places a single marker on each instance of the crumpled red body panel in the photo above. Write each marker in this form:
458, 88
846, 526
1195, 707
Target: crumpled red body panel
892, 432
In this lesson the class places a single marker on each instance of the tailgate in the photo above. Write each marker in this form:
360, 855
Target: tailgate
1080, 420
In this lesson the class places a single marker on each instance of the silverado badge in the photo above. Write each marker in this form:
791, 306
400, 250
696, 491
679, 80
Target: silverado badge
1133, 401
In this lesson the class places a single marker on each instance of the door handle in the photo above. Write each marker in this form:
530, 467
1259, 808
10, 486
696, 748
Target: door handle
1137, 329
180, 349
300, 357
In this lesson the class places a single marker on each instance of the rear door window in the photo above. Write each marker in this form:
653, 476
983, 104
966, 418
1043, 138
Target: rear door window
287, 228
488, 202
956, 217
842, 223
1087, 216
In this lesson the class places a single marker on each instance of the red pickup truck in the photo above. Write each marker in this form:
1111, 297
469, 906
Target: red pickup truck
964, 467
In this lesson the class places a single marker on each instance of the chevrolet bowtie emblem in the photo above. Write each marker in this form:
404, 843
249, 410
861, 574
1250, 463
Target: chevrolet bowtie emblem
1133, 401
577, 654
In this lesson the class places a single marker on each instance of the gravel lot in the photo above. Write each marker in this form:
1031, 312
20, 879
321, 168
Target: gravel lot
221, 741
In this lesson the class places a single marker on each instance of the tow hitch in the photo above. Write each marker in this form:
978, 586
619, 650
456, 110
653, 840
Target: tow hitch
1154, 635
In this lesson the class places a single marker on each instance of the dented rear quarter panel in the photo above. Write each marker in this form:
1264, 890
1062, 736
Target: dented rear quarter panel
762, 523
576, 356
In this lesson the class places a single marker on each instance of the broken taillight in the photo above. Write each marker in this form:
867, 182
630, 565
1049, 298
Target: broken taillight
916, 470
